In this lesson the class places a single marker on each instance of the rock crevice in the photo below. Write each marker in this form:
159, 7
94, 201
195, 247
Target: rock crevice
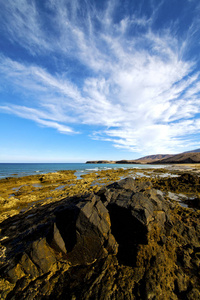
124, 242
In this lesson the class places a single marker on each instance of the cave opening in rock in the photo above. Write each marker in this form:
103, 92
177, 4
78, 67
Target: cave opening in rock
128, 231
66, 224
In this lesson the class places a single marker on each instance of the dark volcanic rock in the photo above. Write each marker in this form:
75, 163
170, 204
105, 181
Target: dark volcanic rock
195, 203
125, 242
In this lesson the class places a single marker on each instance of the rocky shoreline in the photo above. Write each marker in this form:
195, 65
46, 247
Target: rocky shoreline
100, 237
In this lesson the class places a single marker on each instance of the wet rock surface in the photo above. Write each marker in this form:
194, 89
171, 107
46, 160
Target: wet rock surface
186, 182
24, 193
126, 241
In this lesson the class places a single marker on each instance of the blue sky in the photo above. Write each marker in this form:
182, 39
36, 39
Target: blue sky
112, 79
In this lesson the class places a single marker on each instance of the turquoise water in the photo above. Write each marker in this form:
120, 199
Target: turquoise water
23, 169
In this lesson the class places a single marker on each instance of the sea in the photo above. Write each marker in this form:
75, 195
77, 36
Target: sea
24, 169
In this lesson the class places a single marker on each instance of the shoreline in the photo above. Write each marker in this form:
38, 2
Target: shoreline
19, 170
153, 213
19, 194
81, 168
153, 217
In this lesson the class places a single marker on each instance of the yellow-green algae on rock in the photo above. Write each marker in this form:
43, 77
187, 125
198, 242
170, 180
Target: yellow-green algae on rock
17, 193
125, 241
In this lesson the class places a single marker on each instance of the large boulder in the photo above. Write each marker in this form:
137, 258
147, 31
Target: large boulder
125, 242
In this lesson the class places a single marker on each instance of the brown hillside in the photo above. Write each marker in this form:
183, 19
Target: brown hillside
183, 158
152, 158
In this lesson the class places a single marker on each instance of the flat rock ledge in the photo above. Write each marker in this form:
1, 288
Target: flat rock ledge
125, 242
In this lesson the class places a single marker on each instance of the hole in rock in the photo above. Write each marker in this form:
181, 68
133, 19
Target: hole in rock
128, 231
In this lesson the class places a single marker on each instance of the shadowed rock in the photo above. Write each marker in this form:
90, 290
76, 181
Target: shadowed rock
125, 242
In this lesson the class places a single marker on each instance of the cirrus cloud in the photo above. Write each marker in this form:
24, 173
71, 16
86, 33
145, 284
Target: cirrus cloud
126, 76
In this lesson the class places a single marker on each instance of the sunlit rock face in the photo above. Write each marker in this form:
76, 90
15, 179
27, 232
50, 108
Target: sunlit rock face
124, 242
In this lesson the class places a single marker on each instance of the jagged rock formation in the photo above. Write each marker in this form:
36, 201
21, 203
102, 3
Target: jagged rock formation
125, 242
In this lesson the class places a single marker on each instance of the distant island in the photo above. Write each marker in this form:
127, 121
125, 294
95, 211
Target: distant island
181, 158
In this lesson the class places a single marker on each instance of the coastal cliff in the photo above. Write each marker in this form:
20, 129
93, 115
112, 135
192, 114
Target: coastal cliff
124, 161
143, 160
126, 241
181, 158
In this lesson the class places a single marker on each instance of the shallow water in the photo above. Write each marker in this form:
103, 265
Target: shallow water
167, 175
38, 185
24, 169
60, 187
179, 198
173, 196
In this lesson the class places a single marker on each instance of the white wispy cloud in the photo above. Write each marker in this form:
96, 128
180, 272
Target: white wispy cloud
40, 117
22, 22
139, 88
